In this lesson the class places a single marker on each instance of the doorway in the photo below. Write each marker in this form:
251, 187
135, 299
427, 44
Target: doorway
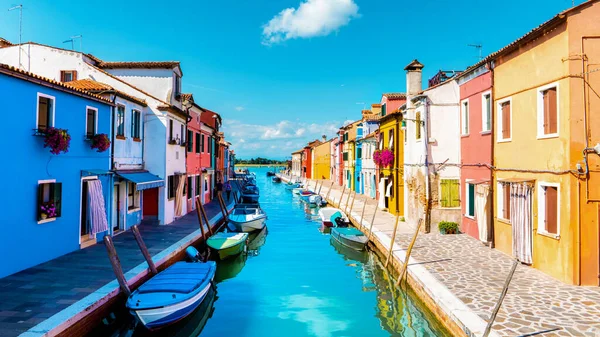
117, 208
150, 203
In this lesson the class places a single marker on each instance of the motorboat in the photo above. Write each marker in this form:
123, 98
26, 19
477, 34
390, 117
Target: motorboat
247, 218
331, 216
227, 245
349, 237
276, 179
250, 194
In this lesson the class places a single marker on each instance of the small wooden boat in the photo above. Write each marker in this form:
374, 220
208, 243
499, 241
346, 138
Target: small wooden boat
172, 294
270, 173
250, 194
247, 218
276, 179
227, 244
349, 237
331, 217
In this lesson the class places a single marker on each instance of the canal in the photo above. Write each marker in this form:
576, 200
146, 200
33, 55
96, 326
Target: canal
296, 282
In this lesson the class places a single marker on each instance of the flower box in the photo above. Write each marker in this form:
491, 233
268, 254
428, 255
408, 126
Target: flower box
58, 140
100, 142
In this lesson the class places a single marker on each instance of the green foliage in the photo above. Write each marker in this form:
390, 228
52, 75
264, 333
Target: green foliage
448, 227
259, 161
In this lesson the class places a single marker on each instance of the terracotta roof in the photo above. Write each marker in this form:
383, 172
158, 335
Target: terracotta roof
415, 64
5, 43
173, 109
377, 105
139, 65
395, 95
373, 117
12, 71
371, 135
96, 87
94, 58
189, 97
299, 151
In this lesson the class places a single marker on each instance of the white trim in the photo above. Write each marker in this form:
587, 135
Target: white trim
47, 181
464, 124
87, 107
37, 108
46, 220
542, 209
540, 111
80, 198
483, 112
500, 201
499, 119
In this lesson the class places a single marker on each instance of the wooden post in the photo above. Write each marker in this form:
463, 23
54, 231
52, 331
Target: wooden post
116, 265
144, 249
322, 182
341, 196
488, 328
372, 222
362, 214
347, 201
198, 205
392, 241
329, 191
223, 210
205, 216
351, 206
222, 202
408, 252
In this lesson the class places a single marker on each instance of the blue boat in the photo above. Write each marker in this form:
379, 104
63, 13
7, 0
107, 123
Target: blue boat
172, 294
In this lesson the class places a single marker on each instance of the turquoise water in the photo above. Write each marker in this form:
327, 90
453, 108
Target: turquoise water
300, 283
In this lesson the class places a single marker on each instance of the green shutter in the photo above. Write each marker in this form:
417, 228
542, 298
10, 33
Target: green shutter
383, 108
57, 195
359, 153
471, 191
444, 195
455, 191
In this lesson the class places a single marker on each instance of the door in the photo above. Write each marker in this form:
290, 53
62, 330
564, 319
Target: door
150, 202
116, 208
84, 229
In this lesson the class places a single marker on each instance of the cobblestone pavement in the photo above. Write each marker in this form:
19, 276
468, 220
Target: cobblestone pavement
535, 304
33, 295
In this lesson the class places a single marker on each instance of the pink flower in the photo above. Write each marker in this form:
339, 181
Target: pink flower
100, 142
383, 158
57, 140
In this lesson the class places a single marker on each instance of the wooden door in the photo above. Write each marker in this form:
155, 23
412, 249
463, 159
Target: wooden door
150, 202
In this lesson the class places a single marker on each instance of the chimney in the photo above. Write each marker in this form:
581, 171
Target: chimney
376, 109
413, 80
324, 138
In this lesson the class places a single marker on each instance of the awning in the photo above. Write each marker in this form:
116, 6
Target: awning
94, 172
143, 180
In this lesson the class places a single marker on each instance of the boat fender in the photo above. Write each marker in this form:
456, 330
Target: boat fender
192, 254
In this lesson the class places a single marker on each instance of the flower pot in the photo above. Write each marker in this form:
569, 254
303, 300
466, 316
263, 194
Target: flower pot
443, 231
43, 216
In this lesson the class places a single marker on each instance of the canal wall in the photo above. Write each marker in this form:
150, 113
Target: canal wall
456, 317
81, 317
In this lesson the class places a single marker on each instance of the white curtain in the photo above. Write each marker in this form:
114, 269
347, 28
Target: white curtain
381, 193
97, 222
482, 211
179, 195
520, 218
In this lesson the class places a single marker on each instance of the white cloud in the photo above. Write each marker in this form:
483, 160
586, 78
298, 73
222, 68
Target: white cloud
239, 108
311, 18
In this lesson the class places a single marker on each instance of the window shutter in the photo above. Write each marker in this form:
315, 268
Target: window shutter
551, 210
506, 211
74, 75
40, 201
552, 110
506, 120
455, 193
56, 197
471, 191
445, 190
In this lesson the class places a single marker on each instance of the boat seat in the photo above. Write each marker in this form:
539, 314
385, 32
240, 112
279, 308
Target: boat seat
182, 277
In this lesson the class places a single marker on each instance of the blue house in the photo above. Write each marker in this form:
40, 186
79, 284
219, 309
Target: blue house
358, 182
53, 203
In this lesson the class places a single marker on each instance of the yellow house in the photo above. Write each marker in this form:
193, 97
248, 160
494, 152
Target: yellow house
322, 161
391, 178
546, 200
349, 153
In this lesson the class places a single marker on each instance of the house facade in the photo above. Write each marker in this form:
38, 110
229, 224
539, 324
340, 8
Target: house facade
65, 198
390, 183
322, 160
297, 163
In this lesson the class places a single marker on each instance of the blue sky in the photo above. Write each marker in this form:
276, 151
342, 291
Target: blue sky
284, 72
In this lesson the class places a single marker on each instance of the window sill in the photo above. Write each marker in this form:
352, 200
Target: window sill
46, 220
137, 139
472, 217
504, 140
465, 135
549, 235
132, 210
488, 132
506, 221
120, 137
458, 207
553, 135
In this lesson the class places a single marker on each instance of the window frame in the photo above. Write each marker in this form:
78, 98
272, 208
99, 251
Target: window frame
95, 132
499, 103
540, 111
37, 110
541, 209
171, 187
198, 148
51, 192
136, 129
464, 126
190, 184
468, 200
117, 134
484, 116
170, 126
500, 186
65, 72
132, 192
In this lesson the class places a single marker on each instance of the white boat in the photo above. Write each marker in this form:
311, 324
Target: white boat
329, 215
350, 237
297, 190
247, 218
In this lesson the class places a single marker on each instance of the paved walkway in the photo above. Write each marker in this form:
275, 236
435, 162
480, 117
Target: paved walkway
475, 274
31, 296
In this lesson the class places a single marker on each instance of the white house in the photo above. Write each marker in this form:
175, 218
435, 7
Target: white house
368, 171
297, 163
432, 147
157, 83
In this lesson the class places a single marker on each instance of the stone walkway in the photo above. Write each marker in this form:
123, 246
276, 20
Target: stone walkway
536, 304
33, 295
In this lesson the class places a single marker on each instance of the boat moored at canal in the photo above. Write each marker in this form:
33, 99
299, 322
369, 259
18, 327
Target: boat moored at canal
349, 237
331, 215
227, 245
247, 218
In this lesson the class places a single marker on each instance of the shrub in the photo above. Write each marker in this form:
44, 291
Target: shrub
448, 227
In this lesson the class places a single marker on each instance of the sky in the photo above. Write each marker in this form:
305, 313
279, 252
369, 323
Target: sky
284, 72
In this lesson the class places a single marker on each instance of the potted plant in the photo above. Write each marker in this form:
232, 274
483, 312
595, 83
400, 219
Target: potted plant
383, 158
47, 211
100, 142
58, 140
448, 227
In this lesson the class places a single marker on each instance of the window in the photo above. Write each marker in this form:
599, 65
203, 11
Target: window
486, 112
133, 196
197, 185
68, 75
90, 122
504, 120
548, 209
418, 125
205, 184
121, 121
383, 109
49, 200
185, 185
450, 195
464, 106
345, 156
189, 187
170, 130
547, 111
177, 86
182, 133
45, 112
171, 187
198, 143
190, 143
503, 211
209, 145
359, 152
391, 141
470, 195
202, 144
135, 124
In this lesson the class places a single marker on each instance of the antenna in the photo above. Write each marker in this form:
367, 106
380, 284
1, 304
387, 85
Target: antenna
359, 103
478, 47
80, 37
20, 8
69, 40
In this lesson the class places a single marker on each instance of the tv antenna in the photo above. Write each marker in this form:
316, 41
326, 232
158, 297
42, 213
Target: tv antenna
20, 8
479, 47
72, 40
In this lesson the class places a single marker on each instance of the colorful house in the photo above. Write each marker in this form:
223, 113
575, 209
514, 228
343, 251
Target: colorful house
391, 196
322, 160
368, 143
308, 159
476, 150
195, 152
545, 104
297, 163
210, 126
58, 202
348, 133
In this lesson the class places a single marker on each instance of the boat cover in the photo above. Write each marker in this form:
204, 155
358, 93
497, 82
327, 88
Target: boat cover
182, 277
349, 231
335, 215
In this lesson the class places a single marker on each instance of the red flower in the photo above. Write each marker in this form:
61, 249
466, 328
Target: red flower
383, 157
57, 140
100, 142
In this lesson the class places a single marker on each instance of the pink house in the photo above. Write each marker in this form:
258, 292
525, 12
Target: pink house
476, 150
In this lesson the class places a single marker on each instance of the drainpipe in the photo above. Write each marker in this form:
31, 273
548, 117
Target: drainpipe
112, 133
492, 172
396, 182
428, 180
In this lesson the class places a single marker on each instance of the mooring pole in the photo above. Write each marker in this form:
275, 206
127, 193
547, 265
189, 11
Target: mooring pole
372, 222
347, 201
352, 205
198, 205
392, 241
408, 252
205, 216
322, 182
144, 249
362, 214
488, 328
223, 210
341, 197
329, 191
116, 265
